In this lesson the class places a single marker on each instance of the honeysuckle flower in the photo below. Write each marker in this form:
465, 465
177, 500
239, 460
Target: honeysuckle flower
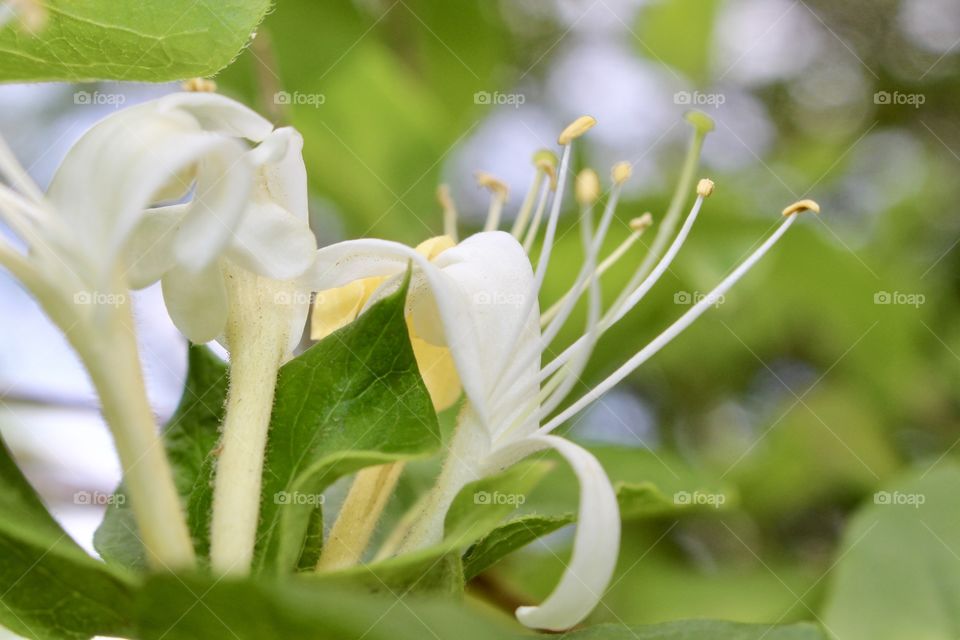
479, 299
335, 308
235, 241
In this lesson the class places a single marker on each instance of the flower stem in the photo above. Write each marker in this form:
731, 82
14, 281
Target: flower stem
358, 517
114, 368
256, 333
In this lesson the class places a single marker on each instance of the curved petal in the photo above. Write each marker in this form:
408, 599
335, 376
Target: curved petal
149, 252
217, 113
113, 173
597, 541
345, 262
196, 301
438, 370
273, 243
336, 308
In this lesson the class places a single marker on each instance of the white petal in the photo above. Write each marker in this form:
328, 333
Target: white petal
111, 175
149, 252
345, 262
283, 176
218, 113
273, 243
197, 302
597, 541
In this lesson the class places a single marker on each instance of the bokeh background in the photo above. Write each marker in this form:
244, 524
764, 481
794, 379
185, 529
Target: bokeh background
832, 367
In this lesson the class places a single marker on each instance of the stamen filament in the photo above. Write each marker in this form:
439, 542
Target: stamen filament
633, 298
498, 196
523, 216
17, 175
670, 333
537, 217
702, 126
449, 211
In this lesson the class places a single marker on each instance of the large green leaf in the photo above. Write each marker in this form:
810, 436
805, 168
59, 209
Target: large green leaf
49, 587
352, 400
187, 608
190, 438
146, 41
699, 630
898, 573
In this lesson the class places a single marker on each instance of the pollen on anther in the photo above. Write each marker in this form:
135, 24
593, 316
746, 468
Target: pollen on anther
621, 172
800, 206
199, 85
587, 188
641, 223
705, 187
576, 129
490, 182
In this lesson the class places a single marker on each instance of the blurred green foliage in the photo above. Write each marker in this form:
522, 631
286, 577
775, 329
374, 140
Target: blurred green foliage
800, 391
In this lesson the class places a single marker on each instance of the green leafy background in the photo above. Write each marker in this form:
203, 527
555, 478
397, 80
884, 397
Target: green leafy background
798, 399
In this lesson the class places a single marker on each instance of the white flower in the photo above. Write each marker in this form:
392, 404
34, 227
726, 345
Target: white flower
480, 300
92, 234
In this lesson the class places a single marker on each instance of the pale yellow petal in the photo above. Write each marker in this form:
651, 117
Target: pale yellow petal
438, 370
336, 308
434, 246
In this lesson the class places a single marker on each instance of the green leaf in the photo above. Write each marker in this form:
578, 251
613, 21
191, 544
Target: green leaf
142, 41
507, 538
191, 607
189, 437
699, 630
49, 587
474, 513
898, 573
354, 399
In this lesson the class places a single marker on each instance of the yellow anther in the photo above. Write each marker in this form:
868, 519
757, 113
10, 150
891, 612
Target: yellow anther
621, 172
587, 187
801, 206
443, 197
576, 129
700, 121
488, 181
199, 85
641, 223
705, 187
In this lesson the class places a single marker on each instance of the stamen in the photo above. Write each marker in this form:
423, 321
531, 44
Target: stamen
199, 85
587, 188
801, 206
498, 196
545, 189
576, 129
705, 188
17, 175
702, 125
449, 211
675, 329
637, 226
541, 160
621, 172
632, 298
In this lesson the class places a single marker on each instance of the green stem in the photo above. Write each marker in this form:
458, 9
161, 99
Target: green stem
114, 367
257, 336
